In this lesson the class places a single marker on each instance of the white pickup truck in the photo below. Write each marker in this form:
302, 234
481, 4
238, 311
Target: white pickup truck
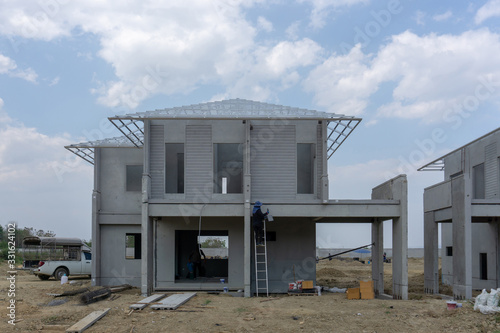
57, 268
56, 256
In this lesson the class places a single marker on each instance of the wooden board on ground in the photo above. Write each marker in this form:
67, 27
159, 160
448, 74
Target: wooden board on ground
173, 302
142, 304
88, 321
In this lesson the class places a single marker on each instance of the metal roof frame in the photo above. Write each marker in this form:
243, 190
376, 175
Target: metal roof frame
339, 125
85, 150
438, 164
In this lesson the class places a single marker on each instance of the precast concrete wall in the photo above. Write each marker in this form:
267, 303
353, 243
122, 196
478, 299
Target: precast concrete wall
115, 268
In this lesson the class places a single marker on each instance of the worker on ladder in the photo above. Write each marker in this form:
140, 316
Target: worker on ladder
258, 222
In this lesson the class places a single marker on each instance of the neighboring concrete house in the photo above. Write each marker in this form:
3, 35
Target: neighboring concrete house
467, 204
196, 170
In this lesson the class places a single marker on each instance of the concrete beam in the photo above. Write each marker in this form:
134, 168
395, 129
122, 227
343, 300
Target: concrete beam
461, 193
431, 254
386, 209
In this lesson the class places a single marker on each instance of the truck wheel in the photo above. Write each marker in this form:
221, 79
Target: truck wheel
59, 273
43, 277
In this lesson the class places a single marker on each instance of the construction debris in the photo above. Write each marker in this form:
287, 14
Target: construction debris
122, 287
88, 321
94, 296
173, 302
72, 292
145, 302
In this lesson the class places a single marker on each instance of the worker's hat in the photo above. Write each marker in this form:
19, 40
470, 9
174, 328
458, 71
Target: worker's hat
258, 204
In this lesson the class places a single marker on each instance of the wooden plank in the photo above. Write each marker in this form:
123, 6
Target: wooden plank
142, 304
174, 301
88, 321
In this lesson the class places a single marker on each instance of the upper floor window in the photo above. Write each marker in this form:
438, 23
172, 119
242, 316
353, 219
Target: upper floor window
228, 168
134, 178
305, 168
478, 181
174, 168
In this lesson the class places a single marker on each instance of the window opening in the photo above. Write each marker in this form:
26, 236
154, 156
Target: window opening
478, 181
228, 168
134, 178
305, 168
174, 168
133, 246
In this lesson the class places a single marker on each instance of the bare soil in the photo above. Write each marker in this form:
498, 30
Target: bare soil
331, 312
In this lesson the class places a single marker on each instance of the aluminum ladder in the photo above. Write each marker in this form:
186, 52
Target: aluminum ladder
261, 274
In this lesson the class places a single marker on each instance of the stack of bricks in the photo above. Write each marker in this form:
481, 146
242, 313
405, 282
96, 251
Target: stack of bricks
365, 291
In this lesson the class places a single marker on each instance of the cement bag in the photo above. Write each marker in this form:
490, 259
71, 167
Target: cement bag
481, 299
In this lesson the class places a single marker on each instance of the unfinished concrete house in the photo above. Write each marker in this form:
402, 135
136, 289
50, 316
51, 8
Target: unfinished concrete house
467, 205
183, 176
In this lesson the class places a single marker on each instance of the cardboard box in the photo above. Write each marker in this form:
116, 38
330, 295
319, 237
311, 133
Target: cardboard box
366, 290
308, 284
366, 285
353, 293
368, 294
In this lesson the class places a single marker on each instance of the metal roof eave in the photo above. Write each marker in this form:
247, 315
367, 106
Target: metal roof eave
436, 165
344, 125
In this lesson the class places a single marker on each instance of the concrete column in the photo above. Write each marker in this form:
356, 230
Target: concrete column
247, 254
431, 254
400, 241
378, 256
462, 237
96, 227
147, 239
325, 195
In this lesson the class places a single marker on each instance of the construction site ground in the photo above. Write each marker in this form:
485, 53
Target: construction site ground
208, 312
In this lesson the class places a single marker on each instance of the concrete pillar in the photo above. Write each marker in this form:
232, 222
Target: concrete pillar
400, 241
247, 254
147, 237
378, 256
324, 191
462, 237
96, 227
431, 254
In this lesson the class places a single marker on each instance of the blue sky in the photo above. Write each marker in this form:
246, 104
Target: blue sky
423, 75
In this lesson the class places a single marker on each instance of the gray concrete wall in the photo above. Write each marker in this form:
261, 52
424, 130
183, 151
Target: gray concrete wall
233, 131
293, 250
112, 175
115, 268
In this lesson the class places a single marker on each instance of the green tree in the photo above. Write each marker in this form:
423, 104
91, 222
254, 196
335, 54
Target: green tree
213, 243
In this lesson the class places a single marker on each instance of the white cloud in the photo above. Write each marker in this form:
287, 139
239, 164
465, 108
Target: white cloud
488, 10
264, 24
323, 8
9, 67
433, 75
442, 17
292, 32
54, 81
420, 17
38, 175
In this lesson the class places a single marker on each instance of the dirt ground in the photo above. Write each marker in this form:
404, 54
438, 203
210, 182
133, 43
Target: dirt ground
331, 312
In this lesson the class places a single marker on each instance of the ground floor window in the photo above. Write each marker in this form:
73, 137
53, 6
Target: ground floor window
133, 246
483, 266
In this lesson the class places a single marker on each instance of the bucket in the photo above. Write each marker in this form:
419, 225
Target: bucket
225, 289
451, 305
222, 280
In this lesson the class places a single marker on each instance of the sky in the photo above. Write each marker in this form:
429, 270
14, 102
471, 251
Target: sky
424, 76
